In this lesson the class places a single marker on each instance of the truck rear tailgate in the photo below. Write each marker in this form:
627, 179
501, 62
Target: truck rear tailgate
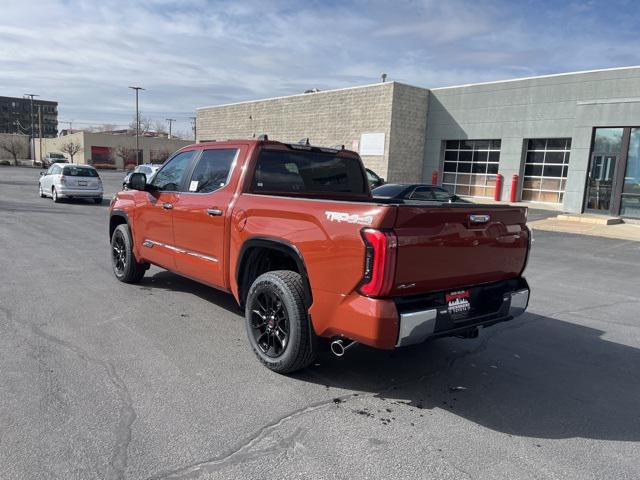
450, 246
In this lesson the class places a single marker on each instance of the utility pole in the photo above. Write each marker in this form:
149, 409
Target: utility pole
40, 132
170, 120
195, 128
137, 89
32, 145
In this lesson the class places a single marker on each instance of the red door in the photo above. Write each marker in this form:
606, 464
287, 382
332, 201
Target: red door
154, 222
200, 216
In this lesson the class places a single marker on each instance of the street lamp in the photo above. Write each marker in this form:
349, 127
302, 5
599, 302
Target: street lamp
32, 145
137, 89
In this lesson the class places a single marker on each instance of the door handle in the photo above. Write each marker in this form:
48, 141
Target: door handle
214, 212
167, 206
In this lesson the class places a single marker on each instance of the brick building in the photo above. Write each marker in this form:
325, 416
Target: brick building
15, 116
573, 139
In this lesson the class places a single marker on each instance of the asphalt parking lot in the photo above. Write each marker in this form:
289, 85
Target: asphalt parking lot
104, 380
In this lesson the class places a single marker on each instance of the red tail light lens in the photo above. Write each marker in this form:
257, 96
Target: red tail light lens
63, 179
379, 262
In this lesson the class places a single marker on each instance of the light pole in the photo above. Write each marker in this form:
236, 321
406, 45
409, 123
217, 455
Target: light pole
170, 120
32, 145
137, 89
195, 128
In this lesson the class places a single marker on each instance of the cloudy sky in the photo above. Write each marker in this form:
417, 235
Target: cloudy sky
194, 53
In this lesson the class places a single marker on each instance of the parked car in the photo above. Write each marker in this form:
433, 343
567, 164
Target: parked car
71, 181
374, 179
149, 169
415, 191
293, 233
52, 158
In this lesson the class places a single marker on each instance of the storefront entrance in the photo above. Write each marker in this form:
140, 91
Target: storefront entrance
613, 181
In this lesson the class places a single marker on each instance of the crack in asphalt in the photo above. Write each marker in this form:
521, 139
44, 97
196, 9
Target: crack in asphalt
242, 452
127, 414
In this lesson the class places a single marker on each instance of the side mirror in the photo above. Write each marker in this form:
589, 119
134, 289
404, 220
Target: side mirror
137, 181
43, 173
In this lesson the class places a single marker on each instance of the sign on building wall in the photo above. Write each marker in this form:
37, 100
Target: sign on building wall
372, 144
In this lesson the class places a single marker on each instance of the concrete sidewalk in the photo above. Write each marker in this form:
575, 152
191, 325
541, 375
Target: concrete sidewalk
621, 231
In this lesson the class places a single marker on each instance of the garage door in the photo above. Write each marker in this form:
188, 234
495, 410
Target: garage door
470, 167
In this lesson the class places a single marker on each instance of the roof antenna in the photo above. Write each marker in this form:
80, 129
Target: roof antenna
304, 141
384, 77
263, 137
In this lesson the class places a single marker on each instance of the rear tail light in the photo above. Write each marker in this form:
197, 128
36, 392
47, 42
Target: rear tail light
379, 262
63, 179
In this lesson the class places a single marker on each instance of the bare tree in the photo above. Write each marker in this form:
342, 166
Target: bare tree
71, 148
14, 147
125, 152
160, 156
145, 125
160, 127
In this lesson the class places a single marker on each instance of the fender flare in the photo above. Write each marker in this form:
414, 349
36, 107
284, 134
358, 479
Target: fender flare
279, 245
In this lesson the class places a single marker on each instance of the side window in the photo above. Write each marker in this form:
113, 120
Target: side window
169, 179
212, 171
50, 171
55, 170
422, 193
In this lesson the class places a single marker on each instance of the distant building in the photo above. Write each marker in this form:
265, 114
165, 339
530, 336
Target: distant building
109, 151
15, 113
573, 139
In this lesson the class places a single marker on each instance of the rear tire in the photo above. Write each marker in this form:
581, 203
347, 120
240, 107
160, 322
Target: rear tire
277, 322
125, 266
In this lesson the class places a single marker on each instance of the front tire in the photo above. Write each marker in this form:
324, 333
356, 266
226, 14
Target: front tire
277, 322
40, 191
124, 264
54, 195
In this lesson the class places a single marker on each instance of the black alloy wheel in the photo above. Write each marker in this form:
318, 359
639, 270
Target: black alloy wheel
118, 254
269, 323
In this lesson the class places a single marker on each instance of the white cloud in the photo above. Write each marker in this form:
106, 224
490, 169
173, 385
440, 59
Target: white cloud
196, 52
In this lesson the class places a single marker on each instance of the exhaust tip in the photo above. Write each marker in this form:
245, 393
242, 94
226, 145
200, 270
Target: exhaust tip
337, 348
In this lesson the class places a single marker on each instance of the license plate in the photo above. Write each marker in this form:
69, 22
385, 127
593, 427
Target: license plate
82, 184
458, 304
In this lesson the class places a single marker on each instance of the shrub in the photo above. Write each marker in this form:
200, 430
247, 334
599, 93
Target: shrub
104, 166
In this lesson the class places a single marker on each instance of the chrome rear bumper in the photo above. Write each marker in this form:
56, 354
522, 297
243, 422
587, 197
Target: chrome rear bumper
416, 327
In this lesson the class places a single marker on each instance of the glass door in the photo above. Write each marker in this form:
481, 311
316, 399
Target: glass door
601, 182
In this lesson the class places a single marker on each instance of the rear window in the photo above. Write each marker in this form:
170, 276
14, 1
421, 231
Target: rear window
307, 172
79, 172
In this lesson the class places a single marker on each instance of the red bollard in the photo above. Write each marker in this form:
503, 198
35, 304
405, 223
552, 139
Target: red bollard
498, 191
434, 177
514, 188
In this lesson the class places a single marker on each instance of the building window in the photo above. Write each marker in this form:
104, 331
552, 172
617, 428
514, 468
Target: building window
630, 201
545, 170
470, 167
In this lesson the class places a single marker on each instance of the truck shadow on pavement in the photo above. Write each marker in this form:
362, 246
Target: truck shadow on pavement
533, 377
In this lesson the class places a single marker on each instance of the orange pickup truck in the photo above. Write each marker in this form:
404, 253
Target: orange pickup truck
293, 233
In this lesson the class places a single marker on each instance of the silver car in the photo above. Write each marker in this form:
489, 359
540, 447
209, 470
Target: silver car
149, 169
71, 181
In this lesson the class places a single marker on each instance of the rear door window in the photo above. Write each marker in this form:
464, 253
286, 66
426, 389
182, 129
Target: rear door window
307, 172
212, 171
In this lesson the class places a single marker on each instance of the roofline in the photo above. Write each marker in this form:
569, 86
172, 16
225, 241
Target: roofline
299, 95
552, 75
